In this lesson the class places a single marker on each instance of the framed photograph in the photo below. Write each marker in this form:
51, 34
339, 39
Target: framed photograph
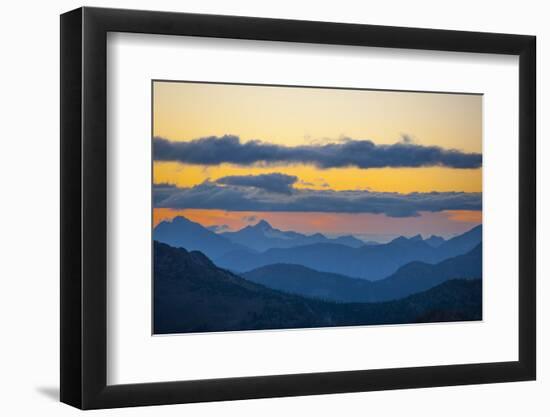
258, 208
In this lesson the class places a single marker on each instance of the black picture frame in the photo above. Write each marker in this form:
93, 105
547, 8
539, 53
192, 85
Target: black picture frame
84, 207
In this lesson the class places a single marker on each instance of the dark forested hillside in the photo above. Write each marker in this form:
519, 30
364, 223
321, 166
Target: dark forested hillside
191, 294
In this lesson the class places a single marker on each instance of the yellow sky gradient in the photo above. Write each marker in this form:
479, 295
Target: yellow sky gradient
402, 180
291, 116
297, 116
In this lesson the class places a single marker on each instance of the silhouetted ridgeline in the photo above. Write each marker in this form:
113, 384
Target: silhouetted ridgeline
369, 262
263, 236
260, 245
191, 294
184, 233
409, 279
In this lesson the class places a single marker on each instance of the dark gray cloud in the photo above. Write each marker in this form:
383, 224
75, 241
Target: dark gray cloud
210, 195
215, 150
274, 182
162, 191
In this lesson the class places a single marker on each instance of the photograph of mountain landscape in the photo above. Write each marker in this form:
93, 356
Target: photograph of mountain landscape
282, 207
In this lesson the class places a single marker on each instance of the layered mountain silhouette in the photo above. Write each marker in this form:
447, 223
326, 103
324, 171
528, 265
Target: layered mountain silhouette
434, 241
263, 236
367, 262
184, 233
235, 250
411, 278
191, 294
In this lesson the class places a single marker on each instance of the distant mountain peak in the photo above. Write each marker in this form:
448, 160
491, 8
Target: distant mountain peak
416, 238
262, 236
180, 219
181, 232
434, 241
263, 225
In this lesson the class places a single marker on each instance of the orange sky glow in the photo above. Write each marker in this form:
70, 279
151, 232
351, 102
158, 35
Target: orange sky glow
445, 223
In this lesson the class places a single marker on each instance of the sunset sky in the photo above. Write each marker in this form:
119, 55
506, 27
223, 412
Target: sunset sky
376, 164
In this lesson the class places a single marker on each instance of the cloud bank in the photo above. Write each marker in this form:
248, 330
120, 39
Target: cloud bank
212, 195
275, 182
163, 191
215, 150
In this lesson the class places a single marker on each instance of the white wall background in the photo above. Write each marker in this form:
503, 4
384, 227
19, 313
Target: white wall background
29, 171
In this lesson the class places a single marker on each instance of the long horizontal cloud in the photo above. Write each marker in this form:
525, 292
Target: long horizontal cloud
275, 182
163, 191
210, 195
215, 150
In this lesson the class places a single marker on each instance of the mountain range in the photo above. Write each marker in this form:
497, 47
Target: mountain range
183, 233
243, 250
367, 262
263, 236
434, 241
261, 244
192, 294
411, 278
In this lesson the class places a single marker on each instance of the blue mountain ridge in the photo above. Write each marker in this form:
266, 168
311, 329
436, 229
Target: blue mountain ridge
411, 278
182, 232
366, 262
263, 236
191, 294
